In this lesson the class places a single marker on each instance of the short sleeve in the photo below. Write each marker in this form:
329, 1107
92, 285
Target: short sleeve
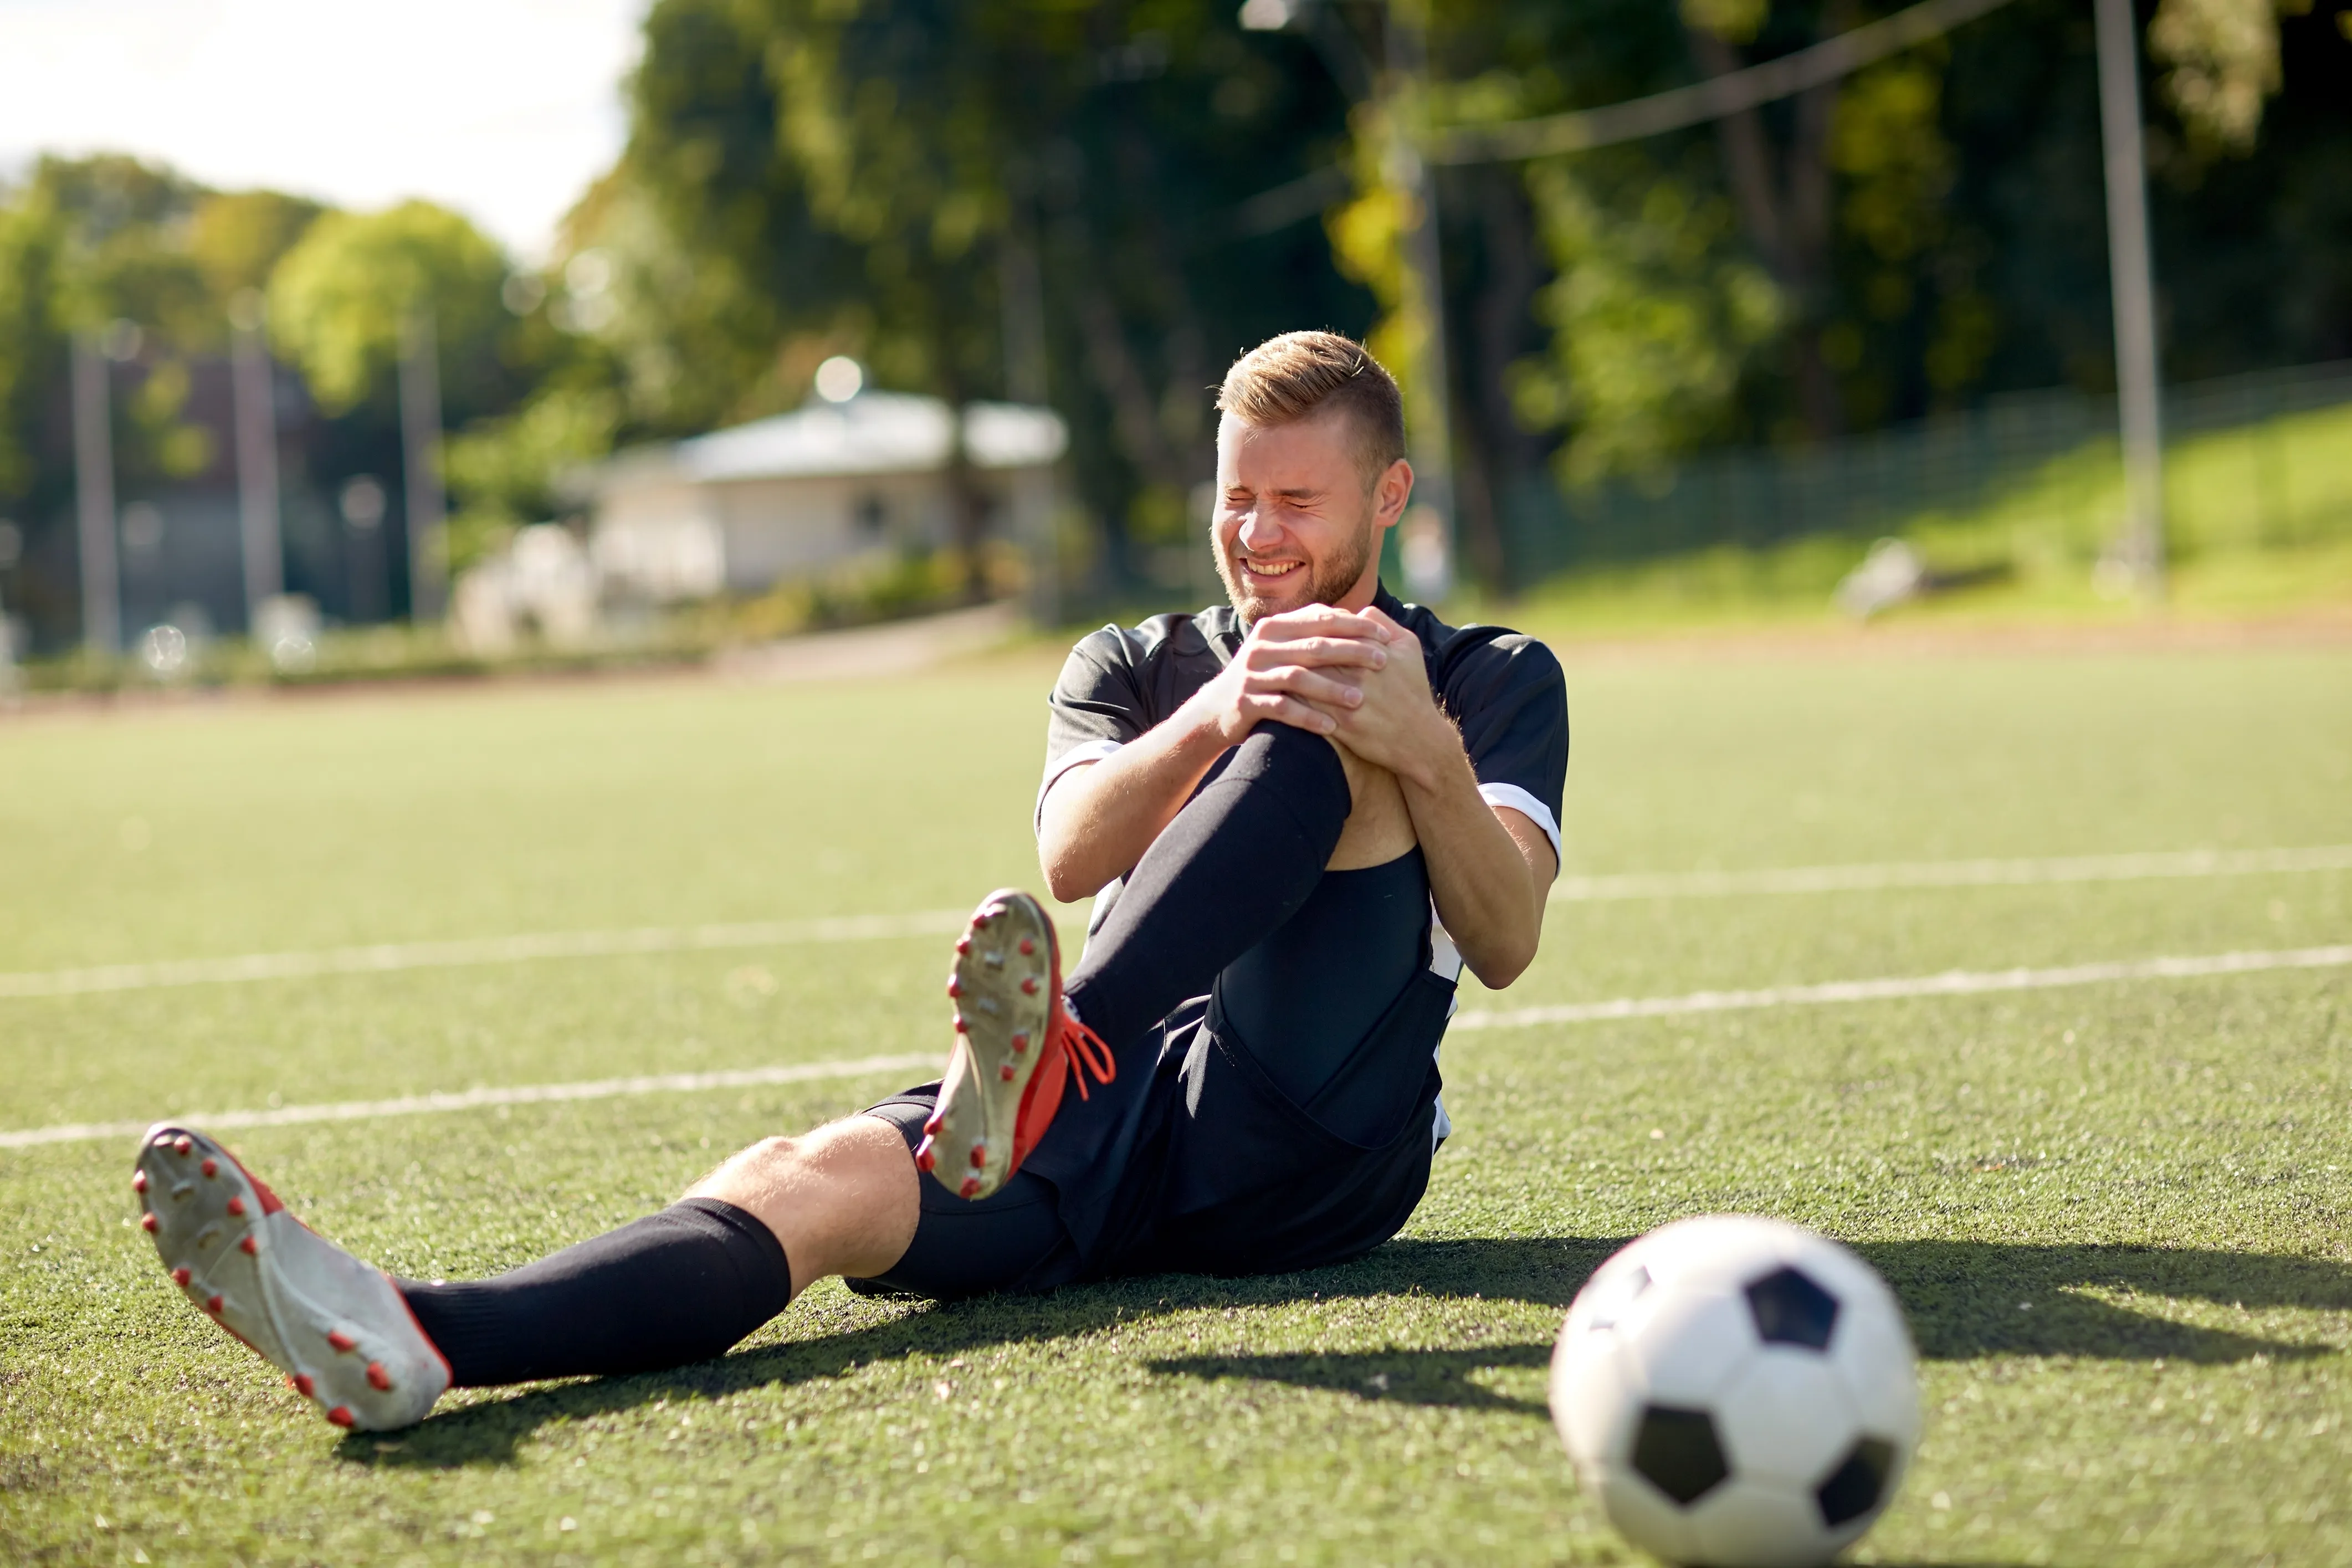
1097, 706
1510, 699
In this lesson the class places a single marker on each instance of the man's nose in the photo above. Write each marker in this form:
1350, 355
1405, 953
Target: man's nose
1258, 532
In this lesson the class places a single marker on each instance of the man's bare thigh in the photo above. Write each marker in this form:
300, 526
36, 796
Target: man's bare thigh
1380, 828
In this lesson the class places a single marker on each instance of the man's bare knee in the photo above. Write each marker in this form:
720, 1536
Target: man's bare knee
842, 1199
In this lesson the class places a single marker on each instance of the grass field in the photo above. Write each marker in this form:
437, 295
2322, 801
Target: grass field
2118, 1213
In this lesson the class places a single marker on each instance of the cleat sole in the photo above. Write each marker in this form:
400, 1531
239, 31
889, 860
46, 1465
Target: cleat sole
1005, 990
294, 1300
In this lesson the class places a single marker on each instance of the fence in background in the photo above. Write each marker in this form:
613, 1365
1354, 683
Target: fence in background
1873, 484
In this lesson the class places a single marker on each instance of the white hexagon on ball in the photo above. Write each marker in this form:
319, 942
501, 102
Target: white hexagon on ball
1737, 1391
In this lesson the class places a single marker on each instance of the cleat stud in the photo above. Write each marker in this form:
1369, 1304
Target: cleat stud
212, 1305
1028, 946
955, 987
979, 1154
147, 1222
963, 944
378, 1379
926, 1157
236, 1207
184, 1145
932, 1123
961, 1027
139, 1181
304, 1384
342, 1342
1029, 986
340, 1415
210, 1167
180, 1277
970, 1188
1005, 1072
1020, 1041
247, 1246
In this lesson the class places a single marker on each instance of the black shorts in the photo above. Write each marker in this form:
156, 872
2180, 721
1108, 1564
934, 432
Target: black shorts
1208, 1167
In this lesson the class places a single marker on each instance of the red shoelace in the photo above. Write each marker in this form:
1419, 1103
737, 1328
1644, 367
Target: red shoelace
1087, 1053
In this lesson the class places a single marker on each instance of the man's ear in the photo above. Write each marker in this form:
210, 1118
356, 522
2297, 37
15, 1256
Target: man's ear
1392, 492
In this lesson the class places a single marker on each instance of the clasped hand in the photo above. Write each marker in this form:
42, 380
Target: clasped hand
1356, 676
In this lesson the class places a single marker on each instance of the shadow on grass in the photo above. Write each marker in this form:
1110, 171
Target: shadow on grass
1963, 1299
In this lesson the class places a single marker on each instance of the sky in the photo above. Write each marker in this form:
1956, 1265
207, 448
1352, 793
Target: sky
504, 110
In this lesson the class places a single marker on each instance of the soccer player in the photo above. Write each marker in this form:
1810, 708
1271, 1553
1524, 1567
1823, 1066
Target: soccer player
1302, 815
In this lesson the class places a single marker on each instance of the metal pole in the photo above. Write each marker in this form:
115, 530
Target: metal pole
420, 440
2133, 284
256, 459
1021, 283
1424, 267
101, 588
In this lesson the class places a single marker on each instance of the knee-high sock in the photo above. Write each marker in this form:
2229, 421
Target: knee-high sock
677, 1287
1235, 863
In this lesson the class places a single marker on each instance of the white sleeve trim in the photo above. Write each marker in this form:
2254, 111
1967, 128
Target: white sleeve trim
1526, 804
1076, 757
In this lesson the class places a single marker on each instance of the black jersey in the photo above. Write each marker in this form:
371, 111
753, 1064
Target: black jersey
1503, 689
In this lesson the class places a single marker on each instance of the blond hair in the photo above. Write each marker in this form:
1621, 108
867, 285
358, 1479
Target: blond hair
1300, 374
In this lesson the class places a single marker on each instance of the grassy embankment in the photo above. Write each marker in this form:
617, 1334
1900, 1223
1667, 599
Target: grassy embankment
2259, 526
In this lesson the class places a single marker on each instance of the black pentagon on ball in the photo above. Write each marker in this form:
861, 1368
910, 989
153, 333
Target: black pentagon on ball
1677, 1452
1790, 1309
1858, 1484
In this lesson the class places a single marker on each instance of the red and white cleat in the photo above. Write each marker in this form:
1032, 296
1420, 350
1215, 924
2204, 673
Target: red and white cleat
1014, 1045
337, 1328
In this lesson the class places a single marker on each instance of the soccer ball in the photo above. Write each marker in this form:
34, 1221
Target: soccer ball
1738, 1391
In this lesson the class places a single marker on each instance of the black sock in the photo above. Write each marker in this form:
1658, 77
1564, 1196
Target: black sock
1238, 860
677, 1287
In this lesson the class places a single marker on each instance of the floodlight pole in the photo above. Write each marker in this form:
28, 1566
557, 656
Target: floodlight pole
420, 440
256, 459
2133, 286
1022, 297
101, 587
1422, 264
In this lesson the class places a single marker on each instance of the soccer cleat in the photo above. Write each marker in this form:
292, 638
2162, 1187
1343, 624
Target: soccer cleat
999, 1094
337, 1328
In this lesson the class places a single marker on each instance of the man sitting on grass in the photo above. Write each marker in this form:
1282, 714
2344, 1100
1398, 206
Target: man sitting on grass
1302, 814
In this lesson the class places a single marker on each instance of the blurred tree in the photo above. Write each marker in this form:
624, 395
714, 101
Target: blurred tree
33, 339
2224, 61
807, 178
236, 237
1925, 231
339, 298
507, 472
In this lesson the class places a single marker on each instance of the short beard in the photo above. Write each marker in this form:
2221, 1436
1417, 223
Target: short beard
1329, 581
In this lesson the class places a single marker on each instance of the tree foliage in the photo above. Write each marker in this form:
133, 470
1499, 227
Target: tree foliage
340, 300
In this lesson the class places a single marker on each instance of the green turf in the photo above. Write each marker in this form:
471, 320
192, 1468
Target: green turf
2117, 1215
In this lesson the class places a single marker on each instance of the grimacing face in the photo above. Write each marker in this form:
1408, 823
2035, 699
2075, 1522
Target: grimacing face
1295, 523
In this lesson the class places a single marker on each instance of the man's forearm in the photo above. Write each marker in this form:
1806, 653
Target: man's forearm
1486, 890
1097, 820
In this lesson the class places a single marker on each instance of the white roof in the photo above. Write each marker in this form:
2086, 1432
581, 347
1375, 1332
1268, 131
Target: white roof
873, 433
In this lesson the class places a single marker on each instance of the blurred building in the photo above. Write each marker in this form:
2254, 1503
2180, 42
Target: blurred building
793, 496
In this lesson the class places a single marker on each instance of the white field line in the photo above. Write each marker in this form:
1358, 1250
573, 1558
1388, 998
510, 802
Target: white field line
475, 1099
1950, 874
1952, 982
385, 958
